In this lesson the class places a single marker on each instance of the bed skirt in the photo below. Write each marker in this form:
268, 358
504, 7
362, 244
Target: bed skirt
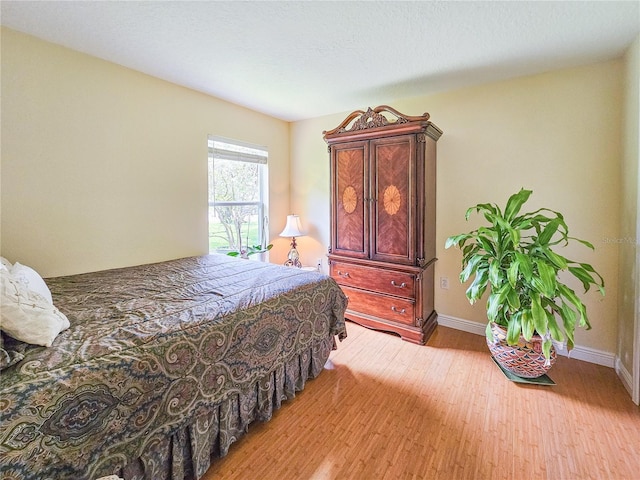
189, 451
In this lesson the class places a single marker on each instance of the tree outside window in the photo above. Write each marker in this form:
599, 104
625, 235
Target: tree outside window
237, 193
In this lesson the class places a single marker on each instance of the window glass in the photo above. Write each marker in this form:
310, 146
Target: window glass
237, 193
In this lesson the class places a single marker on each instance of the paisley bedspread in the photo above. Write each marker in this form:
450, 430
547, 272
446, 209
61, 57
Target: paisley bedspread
164, 366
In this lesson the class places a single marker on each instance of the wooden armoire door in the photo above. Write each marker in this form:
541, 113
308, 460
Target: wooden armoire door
350, 196
393, 167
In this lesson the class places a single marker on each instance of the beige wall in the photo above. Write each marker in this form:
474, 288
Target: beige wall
558, 134
629, 295
103, 166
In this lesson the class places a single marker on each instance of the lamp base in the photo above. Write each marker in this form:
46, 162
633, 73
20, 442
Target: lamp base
293, 258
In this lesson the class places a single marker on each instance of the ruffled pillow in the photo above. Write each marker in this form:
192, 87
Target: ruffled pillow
27, 315
5, 264
32, 280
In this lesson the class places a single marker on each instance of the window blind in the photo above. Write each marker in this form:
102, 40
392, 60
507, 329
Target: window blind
224, 149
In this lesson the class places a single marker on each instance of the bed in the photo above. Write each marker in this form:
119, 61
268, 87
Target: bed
164, 366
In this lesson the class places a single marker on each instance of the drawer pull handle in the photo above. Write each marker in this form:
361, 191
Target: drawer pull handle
401, 312
402, 285
343, 274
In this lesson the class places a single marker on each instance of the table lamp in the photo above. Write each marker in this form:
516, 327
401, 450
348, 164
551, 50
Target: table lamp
293, 229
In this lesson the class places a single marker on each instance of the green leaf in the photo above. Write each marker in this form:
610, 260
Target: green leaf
568, 316
456, 240
512, 298
493, 305
538, 218
491, 218
571, 296
539, 315
478, 286
515, 237
590, 269
495, 274
552, 227
558, 260
481, 207
584, 242
471, 267
528, 327
515, 202
556, 333
496, 302
546, 348
547, 278
488, 332
513, 330
512, 272
525, 266
521, 223
486, 244
584, 276
471, 248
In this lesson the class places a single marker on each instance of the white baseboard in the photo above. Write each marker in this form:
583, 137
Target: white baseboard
625, 376
461, 324
586, 354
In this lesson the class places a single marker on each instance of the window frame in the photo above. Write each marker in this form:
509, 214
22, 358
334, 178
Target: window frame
247, 156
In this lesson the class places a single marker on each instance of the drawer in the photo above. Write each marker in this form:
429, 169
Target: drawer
375, 279
395, 309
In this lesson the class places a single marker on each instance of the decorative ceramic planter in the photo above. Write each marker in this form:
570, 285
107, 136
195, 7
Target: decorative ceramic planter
524, 359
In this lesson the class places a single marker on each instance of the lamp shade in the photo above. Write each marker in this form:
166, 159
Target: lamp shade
293, 227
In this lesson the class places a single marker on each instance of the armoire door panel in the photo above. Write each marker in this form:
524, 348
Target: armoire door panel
351, 199
393, 175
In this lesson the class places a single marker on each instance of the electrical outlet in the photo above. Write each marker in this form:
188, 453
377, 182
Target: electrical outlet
444, 283
319, 264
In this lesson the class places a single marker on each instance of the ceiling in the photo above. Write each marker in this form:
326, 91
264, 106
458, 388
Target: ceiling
302, 59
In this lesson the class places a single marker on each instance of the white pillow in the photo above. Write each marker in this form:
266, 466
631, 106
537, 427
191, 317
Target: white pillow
26, 315
32, 279
5, 264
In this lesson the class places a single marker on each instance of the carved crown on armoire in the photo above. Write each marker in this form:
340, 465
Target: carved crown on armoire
383, 219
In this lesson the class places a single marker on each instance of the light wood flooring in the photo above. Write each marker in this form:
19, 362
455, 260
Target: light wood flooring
388, 409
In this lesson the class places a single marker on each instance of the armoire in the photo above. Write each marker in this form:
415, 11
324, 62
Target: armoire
383, 219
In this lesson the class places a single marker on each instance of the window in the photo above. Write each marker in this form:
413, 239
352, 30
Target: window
237, 195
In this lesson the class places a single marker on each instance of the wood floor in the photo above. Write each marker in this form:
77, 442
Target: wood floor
388, 409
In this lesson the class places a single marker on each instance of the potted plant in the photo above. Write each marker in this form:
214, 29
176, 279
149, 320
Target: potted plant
246, 252
514, 256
